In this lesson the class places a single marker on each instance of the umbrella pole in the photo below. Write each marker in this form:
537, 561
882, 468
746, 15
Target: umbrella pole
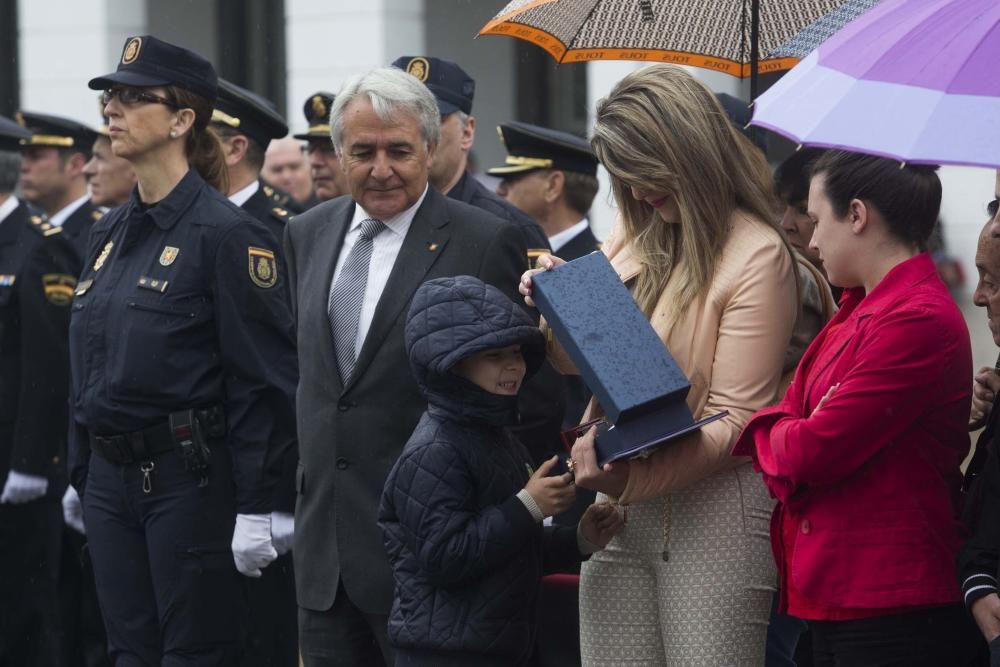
754, 46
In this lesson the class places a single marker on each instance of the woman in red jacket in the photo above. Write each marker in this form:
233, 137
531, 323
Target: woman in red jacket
863, 453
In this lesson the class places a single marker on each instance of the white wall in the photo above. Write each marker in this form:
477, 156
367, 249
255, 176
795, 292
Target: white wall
65, 44
329, 41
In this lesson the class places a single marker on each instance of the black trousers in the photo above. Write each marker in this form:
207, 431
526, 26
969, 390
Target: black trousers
85, 642
168, 588
344, 636
272, 630
30, 539
935, 637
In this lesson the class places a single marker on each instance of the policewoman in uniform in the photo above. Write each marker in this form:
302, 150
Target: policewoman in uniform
182, 373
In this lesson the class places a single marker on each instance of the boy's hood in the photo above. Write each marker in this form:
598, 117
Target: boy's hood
454, 318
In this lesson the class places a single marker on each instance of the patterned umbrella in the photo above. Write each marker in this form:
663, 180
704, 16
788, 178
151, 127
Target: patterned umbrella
722, 35
914, 80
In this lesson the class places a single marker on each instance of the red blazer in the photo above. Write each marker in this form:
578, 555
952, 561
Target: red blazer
872, 478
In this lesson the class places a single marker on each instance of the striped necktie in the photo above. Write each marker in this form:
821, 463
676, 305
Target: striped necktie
348, 295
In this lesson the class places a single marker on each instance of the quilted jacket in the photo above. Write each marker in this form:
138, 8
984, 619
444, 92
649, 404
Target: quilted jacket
467, 556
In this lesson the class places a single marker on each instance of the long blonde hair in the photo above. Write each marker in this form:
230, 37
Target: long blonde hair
662, 130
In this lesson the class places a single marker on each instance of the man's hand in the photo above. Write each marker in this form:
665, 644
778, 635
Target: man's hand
73, 510
553, 495
21, 488
252, 548
600, 523
986, 611
985, 386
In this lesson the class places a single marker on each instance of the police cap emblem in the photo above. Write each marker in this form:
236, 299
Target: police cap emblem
318, 106
263, 268
419, 68
131, 51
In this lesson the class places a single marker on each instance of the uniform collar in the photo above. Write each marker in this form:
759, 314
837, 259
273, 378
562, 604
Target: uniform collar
560, 239
169, 210
60, 216
241, 197
900, 278
8, 207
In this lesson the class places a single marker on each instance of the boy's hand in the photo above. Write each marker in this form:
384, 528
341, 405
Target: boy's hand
600, 523
553, 495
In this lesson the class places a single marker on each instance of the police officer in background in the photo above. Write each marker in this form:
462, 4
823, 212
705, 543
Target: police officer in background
329, 180
182, 373
52, 178
551, 176
109, 178
38, 269
246, 123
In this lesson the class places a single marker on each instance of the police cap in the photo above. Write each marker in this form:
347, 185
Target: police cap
452, 87
532, 147
56, 131
147, 61
317, 111
248, 113
11, 134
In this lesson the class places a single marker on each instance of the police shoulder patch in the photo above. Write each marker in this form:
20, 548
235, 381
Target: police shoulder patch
263, 268
43, 227
58, 288
281, 214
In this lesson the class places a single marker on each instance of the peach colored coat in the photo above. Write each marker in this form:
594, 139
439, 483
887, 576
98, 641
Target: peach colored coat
730, 343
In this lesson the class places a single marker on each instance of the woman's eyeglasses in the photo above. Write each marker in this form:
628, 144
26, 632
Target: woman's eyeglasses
132, 96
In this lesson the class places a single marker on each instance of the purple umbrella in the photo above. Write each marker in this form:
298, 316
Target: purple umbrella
914, 80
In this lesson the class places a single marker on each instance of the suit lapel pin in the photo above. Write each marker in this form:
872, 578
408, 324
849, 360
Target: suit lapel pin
432, 246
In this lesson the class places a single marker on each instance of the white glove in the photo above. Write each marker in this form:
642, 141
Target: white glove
73, 510
282, 531
252, 548
21, 488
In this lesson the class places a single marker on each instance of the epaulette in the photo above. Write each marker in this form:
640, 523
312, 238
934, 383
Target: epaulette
280, 198
281, 214
44, 228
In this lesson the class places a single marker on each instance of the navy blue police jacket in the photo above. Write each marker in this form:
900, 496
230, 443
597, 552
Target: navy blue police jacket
183, 305
467, 555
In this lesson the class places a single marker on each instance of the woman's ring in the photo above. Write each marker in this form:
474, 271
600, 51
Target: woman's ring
571, 465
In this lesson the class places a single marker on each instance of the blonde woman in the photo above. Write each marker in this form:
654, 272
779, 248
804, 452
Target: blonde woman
690, 579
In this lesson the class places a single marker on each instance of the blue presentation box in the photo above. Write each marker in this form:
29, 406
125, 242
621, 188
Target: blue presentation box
620, 357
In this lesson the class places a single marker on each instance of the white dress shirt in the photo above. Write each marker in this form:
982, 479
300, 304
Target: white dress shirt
60, 216
384, 252
8, 207
560, 239
241, 197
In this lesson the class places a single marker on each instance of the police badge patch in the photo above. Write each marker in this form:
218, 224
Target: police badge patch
58, 288
168, 255
263, 268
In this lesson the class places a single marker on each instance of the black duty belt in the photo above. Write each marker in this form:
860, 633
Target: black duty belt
133, 447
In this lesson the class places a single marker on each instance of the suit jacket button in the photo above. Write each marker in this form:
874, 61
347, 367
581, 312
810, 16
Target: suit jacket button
343, 406
343, 464
805, 527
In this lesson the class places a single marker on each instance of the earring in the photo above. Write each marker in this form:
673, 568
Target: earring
173, 134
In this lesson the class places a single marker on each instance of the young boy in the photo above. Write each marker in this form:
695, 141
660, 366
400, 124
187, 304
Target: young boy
462, 511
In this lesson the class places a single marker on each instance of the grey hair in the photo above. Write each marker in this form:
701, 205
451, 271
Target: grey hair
10, 170
390, 90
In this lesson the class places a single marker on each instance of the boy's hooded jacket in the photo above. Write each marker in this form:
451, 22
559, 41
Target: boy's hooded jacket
467, 555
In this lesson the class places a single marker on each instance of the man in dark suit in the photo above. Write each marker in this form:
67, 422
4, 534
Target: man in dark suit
551, 176
354, 264
52, 176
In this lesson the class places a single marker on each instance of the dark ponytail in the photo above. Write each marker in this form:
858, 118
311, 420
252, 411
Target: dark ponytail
203, 148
